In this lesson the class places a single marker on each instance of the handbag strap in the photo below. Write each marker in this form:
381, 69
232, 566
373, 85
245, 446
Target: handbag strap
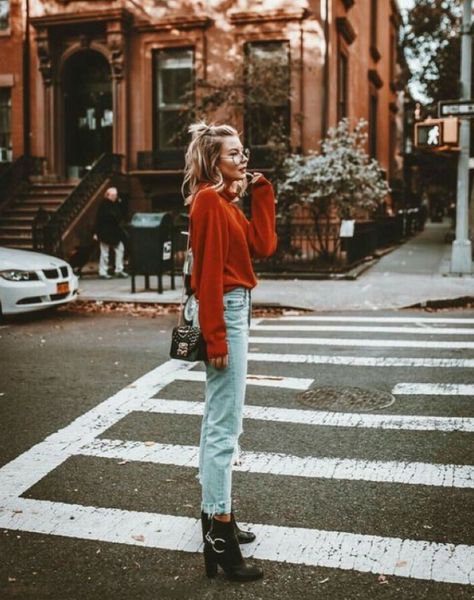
181, 304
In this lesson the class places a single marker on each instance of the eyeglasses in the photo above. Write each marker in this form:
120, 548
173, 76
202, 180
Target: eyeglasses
238, 157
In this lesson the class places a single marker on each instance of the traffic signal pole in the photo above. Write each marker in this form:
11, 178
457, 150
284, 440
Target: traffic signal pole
461, 257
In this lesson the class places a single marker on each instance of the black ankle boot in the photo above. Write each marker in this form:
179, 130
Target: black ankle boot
243, 537
222, 548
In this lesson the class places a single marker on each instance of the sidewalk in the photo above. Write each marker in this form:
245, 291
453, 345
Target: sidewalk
416, 272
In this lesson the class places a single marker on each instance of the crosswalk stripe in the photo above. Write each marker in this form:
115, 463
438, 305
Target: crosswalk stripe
435, 389
412, 473
373, 319
368, 329
292, 383
362, 361
320, 417
367, 343
417, 559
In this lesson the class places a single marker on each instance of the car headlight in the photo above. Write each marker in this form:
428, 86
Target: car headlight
15, 275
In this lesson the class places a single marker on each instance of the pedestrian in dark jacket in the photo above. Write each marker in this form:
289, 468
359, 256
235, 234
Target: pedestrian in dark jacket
110, 233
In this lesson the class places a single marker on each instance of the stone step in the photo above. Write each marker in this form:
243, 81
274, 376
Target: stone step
43, 202
13, 220
15, 231
20, 243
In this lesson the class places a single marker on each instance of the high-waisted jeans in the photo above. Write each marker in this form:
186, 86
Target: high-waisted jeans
223, 408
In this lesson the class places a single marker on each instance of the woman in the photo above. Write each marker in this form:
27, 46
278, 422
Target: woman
222, 242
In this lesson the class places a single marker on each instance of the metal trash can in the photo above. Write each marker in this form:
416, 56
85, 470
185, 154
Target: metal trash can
151, 247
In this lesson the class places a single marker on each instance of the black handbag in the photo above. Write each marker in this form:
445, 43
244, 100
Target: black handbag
187, 341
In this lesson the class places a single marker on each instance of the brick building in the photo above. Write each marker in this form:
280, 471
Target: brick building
110, 76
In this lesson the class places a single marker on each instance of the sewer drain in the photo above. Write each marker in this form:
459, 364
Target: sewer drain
346, 398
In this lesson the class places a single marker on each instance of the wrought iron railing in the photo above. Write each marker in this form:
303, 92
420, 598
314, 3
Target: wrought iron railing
15, 177
60, 220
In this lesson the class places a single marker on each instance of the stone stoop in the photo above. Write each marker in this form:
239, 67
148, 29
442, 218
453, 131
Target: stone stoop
17, 220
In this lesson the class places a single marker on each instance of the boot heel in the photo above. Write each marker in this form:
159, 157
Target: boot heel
210, 563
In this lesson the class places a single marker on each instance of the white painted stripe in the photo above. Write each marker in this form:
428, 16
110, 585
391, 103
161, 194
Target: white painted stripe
292, 383
373, 319
25, 470
417, 559
302, 341
435, 389
320, 417
412, 473
365, 329
362, 361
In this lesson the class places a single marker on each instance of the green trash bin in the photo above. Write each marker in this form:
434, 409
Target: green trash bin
151, 247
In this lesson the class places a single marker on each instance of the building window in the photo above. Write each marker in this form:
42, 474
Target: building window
393, 148
173, 96
5, 125
373, 30
4, 14
342, 85
267, 93
373, 110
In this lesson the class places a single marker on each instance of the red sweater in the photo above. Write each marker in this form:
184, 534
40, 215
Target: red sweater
223, 241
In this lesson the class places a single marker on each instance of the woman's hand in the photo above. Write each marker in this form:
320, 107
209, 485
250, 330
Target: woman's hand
219, 362
253, 177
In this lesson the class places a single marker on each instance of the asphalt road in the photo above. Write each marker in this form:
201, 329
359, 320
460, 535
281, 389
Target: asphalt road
98, 432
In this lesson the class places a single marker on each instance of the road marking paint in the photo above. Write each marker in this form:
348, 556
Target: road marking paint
435, 389
412, 473
423, 330
320, 417
302, 341
362, 361
374, 319
417, 559
292, 383
28, 468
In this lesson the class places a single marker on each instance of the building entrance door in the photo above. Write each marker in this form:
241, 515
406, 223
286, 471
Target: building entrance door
88, 110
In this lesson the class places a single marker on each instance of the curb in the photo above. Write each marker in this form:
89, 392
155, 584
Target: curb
460, 302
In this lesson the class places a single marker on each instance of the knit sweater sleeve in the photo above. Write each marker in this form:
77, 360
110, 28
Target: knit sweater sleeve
210, 243
261, 235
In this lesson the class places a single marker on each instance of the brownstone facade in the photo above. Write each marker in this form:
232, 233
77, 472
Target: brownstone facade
108, 76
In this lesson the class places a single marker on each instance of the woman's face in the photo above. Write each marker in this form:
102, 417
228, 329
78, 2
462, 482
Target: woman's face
232, 161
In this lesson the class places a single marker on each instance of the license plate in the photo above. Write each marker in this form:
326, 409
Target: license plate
62, 288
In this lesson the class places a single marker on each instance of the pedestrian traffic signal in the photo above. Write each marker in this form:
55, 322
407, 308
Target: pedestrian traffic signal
429, 134
436, 134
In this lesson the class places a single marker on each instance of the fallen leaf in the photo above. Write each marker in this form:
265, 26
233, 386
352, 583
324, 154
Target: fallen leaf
139, 538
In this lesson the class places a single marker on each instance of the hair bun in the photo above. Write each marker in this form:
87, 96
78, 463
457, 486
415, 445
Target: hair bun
199, 129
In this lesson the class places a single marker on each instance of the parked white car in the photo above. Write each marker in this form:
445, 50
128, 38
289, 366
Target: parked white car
33, 281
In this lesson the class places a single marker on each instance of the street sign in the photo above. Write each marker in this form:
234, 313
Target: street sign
457, 108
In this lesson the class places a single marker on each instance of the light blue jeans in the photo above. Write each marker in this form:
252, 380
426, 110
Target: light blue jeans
223, 408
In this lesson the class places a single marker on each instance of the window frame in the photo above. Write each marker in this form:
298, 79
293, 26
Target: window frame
373, 122
7, 29
169, 154
260, 151
342, 105
8, 134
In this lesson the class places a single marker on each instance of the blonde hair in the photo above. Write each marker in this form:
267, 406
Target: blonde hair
202, 157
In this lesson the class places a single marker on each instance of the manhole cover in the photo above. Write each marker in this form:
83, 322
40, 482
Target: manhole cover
346, 398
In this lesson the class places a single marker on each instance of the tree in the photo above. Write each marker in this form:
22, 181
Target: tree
340, 179
430, 39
